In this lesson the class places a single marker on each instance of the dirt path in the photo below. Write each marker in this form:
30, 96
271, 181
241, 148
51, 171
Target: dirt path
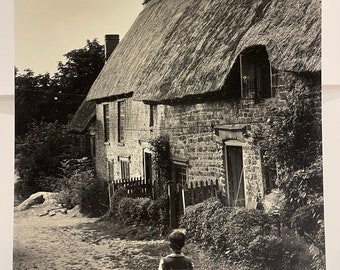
65, 242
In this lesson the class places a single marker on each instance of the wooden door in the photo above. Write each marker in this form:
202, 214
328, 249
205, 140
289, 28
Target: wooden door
179, 178
234, 162
147, 167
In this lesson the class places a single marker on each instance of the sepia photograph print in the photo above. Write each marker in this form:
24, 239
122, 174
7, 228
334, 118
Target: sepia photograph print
164, 134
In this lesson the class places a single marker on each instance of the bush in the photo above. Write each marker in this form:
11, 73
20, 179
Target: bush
161, 160
134, 211
158, 211
268, 251
85, 190
291, 139
239, 235
139, 211
116, 197
39, 154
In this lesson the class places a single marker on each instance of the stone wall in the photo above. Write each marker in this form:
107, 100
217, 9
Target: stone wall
193, 132
137, 134
193, 137
196, 134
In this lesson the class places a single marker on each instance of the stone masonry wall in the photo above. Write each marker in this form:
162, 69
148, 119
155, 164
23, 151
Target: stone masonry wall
191, 129
192, 132
137, 135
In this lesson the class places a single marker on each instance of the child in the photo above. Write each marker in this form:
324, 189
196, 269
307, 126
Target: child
176, 260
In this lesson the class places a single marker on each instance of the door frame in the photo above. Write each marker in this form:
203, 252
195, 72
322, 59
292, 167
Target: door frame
147, 151
176, 192
233, 143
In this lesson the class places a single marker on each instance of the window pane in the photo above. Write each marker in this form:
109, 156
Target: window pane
121, 121
106, 122
255, 74
153, 113
181, 174
125, 169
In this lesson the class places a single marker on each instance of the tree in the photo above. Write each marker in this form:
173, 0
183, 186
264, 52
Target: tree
45, 98
32, 99
40, 152
76, 76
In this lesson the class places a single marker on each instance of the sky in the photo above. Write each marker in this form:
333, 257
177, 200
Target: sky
45, 30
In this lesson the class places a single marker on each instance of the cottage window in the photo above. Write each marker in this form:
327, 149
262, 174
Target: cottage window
277, 80
180, 174
110, 170
106, 119
153, 113
121, 121
124, 169
255, 74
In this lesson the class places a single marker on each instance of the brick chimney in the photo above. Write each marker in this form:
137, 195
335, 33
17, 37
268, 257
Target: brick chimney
111, 42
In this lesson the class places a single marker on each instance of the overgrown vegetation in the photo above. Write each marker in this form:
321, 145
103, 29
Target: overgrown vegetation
246, 238
39, 154
48, 158
84, 189
139, 211
161, 160
293, 145
44, 104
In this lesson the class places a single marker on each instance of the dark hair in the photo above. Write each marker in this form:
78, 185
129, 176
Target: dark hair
177, 240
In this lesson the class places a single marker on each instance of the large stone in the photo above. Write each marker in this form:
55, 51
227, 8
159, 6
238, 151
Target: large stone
274, 201
40, 198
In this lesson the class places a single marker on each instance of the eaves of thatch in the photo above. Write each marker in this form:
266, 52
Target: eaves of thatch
82, 117
179, 48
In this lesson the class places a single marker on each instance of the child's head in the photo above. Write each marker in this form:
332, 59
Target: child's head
177, 240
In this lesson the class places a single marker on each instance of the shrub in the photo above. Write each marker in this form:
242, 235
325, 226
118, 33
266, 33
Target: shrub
268, 251
116, 197
85, 190
293, 142
133, 211
161, 160
139, 211
239, 235
39, 154
158, 211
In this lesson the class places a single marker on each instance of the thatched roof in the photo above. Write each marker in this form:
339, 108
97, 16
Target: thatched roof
180, 48
82, 117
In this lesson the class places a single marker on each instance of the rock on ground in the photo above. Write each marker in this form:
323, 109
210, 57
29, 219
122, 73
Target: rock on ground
44, 198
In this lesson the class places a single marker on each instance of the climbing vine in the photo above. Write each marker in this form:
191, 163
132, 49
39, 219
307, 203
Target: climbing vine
291, 140
161, 159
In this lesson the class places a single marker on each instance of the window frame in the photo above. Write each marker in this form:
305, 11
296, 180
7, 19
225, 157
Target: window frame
124, 167
152, 114
256, 70
121, 120
106, 122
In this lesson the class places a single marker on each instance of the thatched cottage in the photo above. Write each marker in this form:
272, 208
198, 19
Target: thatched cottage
203, 72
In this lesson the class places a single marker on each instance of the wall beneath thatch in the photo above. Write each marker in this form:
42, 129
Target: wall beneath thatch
137, 135
193, 137
192, 129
